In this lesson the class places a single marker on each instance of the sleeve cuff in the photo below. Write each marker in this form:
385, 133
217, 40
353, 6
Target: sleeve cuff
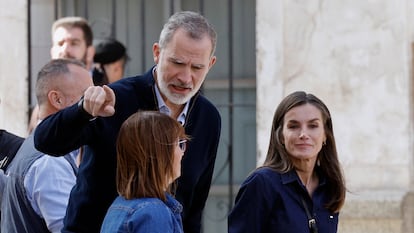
83, 112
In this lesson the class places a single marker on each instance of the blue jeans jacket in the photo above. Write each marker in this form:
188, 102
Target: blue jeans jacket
143, 215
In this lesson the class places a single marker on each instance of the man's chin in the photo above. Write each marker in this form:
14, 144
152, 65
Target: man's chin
178, 99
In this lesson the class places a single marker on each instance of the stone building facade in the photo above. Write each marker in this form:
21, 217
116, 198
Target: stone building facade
357, 57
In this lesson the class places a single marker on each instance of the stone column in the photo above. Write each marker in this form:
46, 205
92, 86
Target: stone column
269, 62
14, 66
356, 57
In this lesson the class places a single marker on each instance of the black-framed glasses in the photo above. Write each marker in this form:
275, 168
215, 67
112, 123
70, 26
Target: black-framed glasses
182, 143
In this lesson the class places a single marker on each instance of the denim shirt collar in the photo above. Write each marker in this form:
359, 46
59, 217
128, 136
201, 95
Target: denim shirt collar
173, 204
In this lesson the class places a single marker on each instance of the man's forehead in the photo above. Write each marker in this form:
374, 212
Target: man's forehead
68, 33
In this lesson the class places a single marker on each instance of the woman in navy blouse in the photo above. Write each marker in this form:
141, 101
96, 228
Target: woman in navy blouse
300, 188
150, 146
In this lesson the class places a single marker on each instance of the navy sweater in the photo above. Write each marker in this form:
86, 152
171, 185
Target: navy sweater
96, 187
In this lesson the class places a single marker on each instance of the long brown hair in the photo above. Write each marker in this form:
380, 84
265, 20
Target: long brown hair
145, 150
278, 159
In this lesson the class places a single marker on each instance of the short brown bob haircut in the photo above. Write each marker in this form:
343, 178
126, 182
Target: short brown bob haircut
145, 150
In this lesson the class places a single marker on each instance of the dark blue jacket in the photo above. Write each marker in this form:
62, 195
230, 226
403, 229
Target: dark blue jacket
95, 188
272, 202
9, 144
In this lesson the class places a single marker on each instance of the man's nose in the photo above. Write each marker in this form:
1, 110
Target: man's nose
185, 74
64, 50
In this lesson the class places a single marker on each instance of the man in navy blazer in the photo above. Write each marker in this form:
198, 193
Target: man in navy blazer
183, 56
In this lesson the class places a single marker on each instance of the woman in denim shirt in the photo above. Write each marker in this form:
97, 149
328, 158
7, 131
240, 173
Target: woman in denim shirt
150, 146
300, 187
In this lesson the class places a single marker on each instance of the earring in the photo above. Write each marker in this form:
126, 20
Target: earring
324, 143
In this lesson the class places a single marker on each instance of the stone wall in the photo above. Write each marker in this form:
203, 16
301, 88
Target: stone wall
13, 66
356, 56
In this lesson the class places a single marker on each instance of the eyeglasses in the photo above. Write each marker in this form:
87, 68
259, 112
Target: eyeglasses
182, 143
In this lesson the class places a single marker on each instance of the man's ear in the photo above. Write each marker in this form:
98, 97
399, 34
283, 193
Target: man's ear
156, 52
212, 61
55, 99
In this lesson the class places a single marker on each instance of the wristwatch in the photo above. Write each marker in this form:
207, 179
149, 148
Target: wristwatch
82, 111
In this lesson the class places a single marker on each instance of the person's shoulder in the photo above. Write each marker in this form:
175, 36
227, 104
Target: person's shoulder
51, 166
153, 208
205, 108
264, 180
9, 146
128, 82
8, 138
138, 204
26, 154
264, 174
133, 85
267, 171
145, 79
150, 204
143, 214
174, 205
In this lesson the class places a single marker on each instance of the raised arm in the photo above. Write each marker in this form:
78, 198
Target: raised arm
72, 127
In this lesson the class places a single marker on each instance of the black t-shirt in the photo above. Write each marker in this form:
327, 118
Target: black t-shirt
9, 145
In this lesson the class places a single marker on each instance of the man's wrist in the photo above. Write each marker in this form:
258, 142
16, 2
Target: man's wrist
82, 110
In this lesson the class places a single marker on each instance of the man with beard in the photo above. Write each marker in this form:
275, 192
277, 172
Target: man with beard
72, 38
183, 56
37, 186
